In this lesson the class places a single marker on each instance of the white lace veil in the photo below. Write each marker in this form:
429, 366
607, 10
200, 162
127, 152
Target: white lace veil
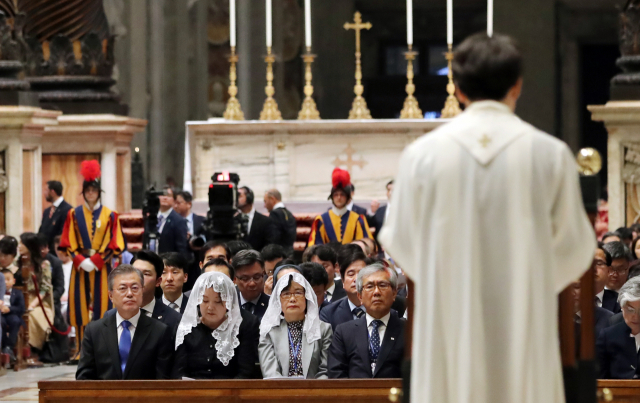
227, 333
272, 317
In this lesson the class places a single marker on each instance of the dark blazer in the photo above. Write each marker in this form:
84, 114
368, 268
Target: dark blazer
198, 220
615, 319
610, 301
378, 219
359, 210
285, 228
52, 227
162, 313
336, 313
262, 232
185, 299
197, 355
261, 307
174, 235
150, 356
349, 351
16, 303
602, 317
338, 292
616, 353
57, 280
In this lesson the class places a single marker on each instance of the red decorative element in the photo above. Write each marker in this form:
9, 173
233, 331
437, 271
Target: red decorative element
340, 178
97, 260
77, 261
90, 170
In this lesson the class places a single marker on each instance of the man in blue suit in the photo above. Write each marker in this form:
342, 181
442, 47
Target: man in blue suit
172, 228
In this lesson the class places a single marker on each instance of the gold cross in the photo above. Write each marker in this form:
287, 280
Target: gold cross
484, 141
357, 26
350, 162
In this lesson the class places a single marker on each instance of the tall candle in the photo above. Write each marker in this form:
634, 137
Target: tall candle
490, 18
269, 27
232, 22
449, 22
307, 22
409, 22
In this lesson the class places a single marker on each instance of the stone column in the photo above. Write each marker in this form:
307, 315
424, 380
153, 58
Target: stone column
622, 120
21, 130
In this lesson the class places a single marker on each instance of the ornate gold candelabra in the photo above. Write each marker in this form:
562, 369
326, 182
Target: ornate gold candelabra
451, 105
270, 109
309, 110
233, 111
359, 108
411, 109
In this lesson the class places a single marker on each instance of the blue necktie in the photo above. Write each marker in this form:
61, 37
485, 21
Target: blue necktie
374, 341
125, 345
160, 221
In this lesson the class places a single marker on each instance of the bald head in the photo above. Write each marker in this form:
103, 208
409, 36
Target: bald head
271, 198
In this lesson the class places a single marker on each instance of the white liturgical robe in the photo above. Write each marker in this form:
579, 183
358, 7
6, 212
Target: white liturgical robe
487, 219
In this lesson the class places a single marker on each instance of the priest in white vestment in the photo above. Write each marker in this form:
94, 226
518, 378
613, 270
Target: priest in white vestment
488, 221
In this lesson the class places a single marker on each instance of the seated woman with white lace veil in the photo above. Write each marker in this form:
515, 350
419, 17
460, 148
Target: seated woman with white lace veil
294, 343
212, 341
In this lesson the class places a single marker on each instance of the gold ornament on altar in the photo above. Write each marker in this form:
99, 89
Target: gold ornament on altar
451, 105
270, 109
589, 161
309, 110
233, 111
411, 109
359, 108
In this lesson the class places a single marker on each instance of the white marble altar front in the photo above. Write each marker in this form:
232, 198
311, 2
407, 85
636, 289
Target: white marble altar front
297, 157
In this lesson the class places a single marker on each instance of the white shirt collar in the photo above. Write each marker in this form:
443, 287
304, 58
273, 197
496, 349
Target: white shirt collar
251, 213
177, 302
278, 205
600, 296
339, 212
150, 306
189, 217
384, 319
58, 202
133, 320
97, 206
244, 301
166, 213
637, 337
352, 306
350, 206
480, 106
331, 289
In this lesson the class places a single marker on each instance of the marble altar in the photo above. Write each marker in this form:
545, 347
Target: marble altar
297, 157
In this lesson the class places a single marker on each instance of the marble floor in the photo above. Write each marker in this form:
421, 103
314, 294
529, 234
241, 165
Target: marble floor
23, 386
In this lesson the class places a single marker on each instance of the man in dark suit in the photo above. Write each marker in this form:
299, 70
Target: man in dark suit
605, 298
373, 345
249, 278
380, 213
183, 203
151, 267
172, 228
283, 220
127, 345
261, 230
327, 257
12, 312
54, 216
172, 281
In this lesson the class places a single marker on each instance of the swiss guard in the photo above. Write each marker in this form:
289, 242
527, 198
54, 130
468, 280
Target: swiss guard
92, 237
339, 224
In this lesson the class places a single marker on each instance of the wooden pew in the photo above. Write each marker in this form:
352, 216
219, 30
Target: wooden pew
223, 391
622, 391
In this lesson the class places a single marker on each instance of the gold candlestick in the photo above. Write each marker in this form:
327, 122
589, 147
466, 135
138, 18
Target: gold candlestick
270, 109
411, 109
309, 110
451, 105
359, 108
233, 111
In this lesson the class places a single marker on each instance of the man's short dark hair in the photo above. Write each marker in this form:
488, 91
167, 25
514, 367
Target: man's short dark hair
214, 244
272, 252
174, 259
389, 183
55, 186
348, 254
6, 271
315, 274
246, 258
43, 240
122, 270
625, 233
9, 246
617, 250
611, 233
487, 68
324, 253
150, 257
607, 256
186, 196
237, 246
249, 194
220, 262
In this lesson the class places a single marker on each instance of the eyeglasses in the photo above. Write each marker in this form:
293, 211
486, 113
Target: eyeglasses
287, 295
601, 263
134, 289
382, 286
619, 270
246, 279
630, 310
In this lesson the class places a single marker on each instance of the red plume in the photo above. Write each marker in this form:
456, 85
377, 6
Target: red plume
340, 178
90, 170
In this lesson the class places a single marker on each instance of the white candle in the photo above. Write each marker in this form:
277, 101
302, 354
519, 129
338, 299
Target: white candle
232, 22
269, 27
490, 18
307, 22
449, 22
409, 22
